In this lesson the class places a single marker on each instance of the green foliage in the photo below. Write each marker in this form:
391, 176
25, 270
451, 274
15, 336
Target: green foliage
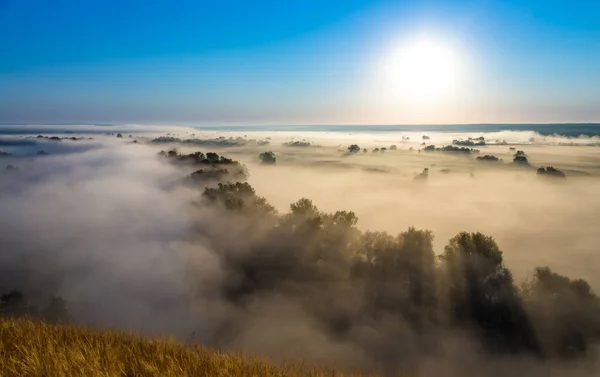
202, 176
520, 158
470, 142
304, 207
551, 172
481, 293
211, 163
488, 158
267, 158
398, 277
238, 197
302, 143
354, 148
450, 148
564, 312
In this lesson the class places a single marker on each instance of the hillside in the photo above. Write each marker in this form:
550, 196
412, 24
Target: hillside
32, 348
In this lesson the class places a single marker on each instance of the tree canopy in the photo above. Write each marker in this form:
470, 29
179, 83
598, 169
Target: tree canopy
267, 158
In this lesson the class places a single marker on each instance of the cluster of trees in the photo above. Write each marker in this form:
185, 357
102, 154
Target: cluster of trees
450, 148
212, 165
355, 148
220, 141
56, 138
302, 143
213, 174
15, 304
267, 158
349, 280
210, 158
520, 158
470, 142
165, 140
551, 173
488, 158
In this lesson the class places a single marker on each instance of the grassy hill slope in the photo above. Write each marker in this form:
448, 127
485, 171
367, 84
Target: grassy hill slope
32, 348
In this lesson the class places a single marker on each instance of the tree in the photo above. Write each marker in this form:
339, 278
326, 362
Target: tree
212, 156
520, 158
56, 311
304, 207
550, 172
488, 158
267, 158
354, 148
15, 304
481, 292
565, 313
239, 197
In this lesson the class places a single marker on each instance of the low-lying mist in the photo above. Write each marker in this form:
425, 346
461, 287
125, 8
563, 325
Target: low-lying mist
130, 241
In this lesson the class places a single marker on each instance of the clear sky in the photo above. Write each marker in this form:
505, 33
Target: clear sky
299, 62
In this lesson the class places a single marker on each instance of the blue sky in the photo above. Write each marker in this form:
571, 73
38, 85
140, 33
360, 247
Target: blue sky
293, 62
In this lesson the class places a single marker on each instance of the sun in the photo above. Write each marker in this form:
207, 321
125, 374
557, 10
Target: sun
420, 70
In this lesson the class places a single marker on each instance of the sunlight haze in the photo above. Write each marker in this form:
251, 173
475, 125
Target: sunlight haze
393, 188
339, 62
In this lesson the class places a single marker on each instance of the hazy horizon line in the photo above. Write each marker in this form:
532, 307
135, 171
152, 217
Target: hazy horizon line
191, 124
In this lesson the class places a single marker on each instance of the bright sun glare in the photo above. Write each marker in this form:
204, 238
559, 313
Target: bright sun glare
421, 70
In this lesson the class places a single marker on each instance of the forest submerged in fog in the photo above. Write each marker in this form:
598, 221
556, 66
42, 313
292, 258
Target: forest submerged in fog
248, 271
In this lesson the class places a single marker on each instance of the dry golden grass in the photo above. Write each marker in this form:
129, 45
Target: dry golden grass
32, 348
